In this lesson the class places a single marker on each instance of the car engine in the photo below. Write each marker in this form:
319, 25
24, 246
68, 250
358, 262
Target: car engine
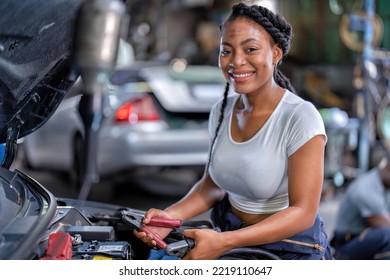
104, 231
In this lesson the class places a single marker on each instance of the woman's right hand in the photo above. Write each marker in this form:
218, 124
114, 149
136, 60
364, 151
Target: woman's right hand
160, 231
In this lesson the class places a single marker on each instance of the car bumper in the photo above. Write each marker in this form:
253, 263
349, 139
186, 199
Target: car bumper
157, 149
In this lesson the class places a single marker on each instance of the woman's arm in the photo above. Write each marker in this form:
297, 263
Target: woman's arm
305, 179
305, 176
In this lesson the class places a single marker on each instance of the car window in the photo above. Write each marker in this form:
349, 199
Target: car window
199, 75
124, 76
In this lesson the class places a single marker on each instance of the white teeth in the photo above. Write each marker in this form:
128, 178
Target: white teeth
242, 75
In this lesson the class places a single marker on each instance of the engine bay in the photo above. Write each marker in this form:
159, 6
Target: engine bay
101, 235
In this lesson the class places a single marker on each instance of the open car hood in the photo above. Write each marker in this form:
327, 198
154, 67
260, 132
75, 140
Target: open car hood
35, 62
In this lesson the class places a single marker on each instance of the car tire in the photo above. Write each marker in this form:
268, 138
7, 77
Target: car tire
75, 179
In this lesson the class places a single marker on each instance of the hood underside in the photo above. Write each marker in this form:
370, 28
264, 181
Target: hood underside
36, 70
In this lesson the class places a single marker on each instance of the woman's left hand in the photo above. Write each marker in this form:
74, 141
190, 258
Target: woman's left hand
209, 244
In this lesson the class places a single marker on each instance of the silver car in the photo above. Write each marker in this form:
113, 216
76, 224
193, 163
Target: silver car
156, 117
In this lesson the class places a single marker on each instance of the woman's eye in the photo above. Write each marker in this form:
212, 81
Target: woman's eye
248, 50
224, 52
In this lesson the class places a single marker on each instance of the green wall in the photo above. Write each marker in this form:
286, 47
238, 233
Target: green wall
316, 30
383, 10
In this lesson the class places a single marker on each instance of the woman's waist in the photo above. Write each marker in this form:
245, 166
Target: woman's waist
249, 218
258, 207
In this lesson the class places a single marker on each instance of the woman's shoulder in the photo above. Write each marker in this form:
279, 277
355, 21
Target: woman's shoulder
294, 104
299, 113
293, 98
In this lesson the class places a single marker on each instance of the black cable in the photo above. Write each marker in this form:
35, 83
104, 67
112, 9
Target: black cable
249, 253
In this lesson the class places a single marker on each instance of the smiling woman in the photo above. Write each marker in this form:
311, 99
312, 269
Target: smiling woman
274, 137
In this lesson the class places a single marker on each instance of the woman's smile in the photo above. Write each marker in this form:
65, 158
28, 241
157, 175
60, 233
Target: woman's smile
240, 77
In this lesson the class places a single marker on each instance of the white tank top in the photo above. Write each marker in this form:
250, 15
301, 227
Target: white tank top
254, 172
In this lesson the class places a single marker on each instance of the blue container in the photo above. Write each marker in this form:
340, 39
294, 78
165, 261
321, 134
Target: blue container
2, 151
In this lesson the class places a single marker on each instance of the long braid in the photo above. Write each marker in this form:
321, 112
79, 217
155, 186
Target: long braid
220, 119
282, 80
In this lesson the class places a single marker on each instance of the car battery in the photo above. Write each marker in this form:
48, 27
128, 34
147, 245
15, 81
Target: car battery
88, 233
97, 243
106, 250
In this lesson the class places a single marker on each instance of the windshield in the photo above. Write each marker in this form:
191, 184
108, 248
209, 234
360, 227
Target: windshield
36, 65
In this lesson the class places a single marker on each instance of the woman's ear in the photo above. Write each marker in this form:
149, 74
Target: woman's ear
278, 53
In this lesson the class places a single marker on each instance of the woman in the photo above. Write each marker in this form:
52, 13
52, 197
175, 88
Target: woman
265, 171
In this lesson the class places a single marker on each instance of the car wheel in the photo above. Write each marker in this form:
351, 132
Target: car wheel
75, 170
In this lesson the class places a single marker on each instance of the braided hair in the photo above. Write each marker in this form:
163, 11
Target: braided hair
281, 33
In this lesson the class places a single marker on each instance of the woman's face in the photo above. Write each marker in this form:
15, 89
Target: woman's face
247, 55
